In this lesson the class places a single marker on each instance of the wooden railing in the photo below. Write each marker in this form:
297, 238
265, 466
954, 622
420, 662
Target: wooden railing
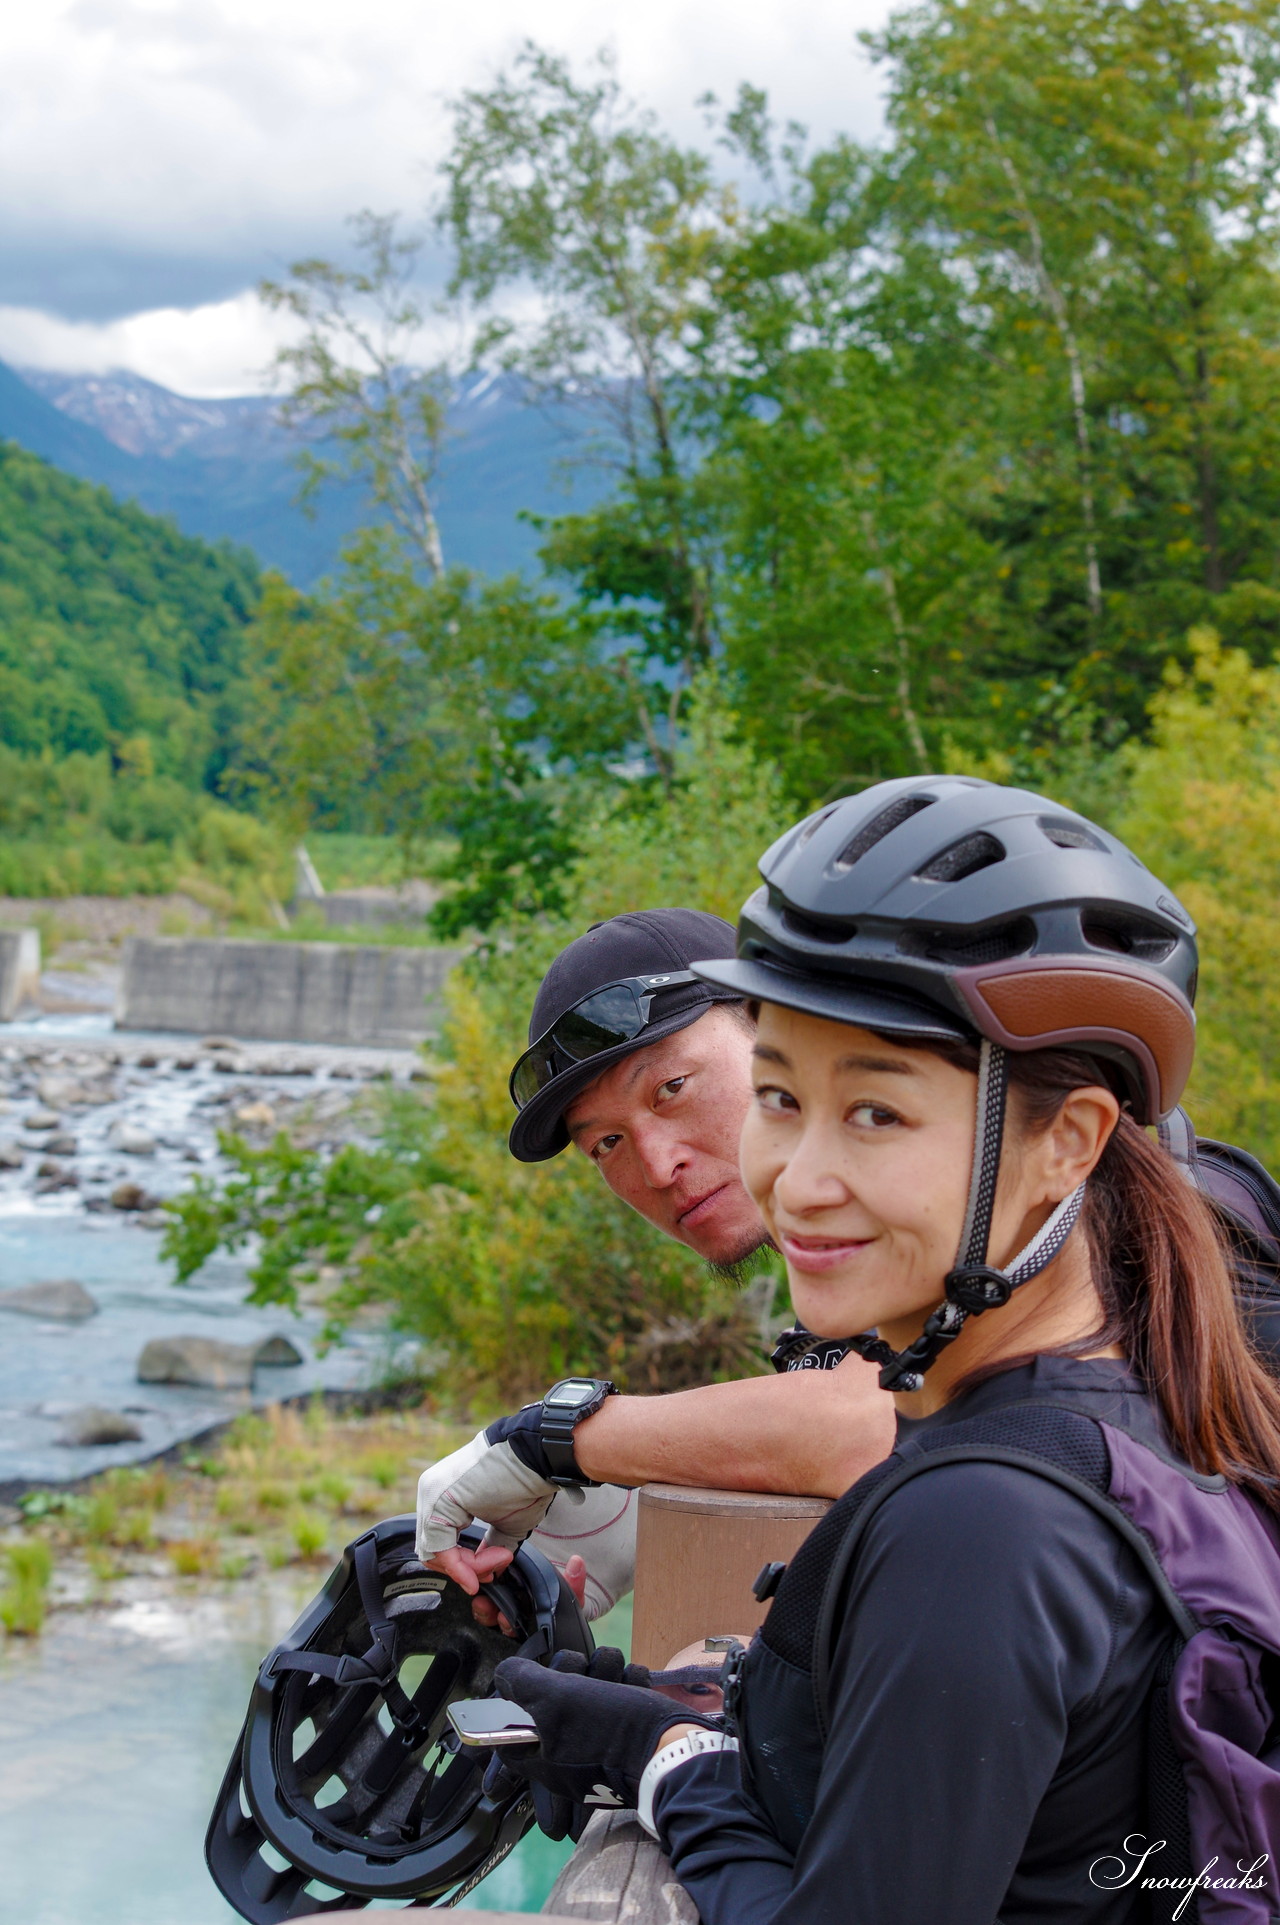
697, 1554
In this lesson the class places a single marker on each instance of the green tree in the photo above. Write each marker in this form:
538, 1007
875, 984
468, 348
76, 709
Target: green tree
566, 186
1098, 175
354, 383
1204, 793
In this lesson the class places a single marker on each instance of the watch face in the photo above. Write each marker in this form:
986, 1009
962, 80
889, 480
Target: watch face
566, 1395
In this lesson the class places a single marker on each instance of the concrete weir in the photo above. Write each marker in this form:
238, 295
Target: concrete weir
19, 970
303, 992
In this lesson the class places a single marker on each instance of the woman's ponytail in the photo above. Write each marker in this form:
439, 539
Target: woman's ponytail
1161, 1267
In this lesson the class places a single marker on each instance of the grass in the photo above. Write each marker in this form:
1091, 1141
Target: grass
289, 1485
25, 1597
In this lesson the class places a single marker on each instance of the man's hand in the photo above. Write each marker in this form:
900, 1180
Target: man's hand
498, 1480
482, 1480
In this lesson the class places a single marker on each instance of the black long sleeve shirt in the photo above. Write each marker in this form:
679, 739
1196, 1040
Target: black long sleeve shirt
987, 1722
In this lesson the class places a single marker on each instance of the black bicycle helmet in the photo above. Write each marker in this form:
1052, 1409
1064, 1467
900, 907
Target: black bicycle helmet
346, 1785
942, 908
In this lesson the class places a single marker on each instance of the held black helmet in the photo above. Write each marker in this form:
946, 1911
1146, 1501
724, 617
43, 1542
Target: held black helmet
941, 908
346, 1785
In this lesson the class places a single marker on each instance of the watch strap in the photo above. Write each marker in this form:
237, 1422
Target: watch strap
555, 1433
694, 1744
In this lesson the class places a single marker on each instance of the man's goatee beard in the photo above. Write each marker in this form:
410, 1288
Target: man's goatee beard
749, 1261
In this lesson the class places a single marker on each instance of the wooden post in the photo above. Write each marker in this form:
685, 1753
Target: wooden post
618, 1873
698, 1553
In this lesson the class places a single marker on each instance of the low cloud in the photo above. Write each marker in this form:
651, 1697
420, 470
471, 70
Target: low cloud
163, 154
222, 348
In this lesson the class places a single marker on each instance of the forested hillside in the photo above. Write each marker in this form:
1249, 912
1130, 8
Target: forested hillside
122, 687
117, 634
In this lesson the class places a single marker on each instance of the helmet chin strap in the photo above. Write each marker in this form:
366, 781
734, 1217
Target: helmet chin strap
974, 1285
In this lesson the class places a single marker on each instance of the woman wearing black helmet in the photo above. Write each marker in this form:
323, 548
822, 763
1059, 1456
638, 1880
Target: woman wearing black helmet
964, 1704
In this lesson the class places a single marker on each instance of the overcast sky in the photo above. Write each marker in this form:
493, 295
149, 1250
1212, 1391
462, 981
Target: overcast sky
157, 157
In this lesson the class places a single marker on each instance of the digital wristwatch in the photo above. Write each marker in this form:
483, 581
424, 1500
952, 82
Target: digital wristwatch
563, 1409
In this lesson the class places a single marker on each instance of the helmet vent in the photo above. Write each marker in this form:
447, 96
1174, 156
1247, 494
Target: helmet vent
963, 858
814, 931
879, 827
1127, 935
813, 825
1070, 835
997, 944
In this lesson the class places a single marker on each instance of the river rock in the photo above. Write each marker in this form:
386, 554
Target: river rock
132, 1196
54, 1177
277, 1350
129, 1138
61, 1143
91, 1424
41, 1120
254, 1116
203, 1361
11, 1156
63, 1300
209, 1363
67, 1093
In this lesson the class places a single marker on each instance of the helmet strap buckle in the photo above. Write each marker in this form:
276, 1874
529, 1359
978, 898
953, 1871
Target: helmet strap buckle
976, 1287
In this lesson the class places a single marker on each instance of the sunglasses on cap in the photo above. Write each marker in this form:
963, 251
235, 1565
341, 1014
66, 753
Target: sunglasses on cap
602, 1020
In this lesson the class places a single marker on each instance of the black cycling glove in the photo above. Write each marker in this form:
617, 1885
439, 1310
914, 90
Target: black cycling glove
595, 1736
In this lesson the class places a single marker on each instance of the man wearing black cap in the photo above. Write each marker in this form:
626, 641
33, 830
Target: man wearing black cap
606, 1005
646, 1070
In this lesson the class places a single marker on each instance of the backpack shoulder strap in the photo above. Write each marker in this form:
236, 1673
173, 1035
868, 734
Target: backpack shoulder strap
838, 1575
1177, 1135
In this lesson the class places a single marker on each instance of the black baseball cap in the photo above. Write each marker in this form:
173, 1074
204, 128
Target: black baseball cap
641, 943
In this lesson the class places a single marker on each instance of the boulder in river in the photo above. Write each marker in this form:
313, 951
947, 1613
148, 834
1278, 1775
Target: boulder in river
61, 1143
91, 1424
209, 1363
53, 1176
62, 1300
277, 1350
204, 1361
41, 1120
132, 1196
254, 1116
11, 1156
128, 1137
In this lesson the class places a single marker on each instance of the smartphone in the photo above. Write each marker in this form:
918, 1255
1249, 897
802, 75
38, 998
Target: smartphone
492, 1721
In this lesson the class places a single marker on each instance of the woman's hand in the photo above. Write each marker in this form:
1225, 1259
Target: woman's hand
594, 1737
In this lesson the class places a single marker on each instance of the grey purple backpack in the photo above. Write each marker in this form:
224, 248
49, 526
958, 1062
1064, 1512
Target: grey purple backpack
1213, 1715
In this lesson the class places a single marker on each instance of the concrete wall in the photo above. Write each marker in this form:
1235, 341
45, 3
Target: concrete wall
348, 908
19, 970
302, 992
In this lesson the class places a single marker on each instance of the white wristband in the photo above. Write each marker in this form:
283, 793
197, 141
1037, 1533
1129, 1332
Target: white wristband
693, 1745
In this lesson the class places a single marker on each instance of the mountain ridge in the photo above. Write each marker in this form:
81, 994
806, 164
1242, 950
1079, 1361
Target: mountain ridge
225, 469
